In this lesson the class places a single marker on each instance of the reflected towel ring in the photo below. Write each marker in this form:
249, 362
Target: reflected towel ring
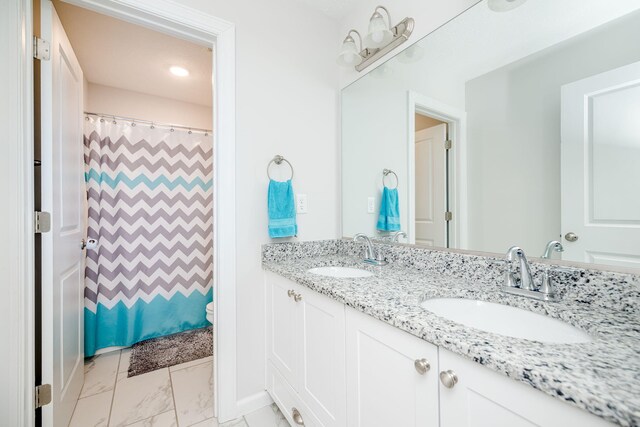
278, 159
385, 173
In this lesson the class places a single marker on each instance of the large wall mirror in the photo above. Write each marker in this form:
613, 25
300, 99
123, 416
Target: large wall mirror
504, 128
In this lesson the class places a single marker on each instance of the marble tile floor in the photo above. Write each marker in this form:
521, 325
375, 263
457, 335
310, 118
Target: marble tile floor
178, 396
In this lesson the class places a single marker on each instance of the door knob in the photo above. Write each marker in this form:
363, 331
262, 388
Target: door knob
422, 366
297, 417
571, 236
448, 378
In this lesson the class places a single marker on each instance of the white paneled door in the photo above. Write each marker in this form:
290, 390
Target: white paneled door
431, 186
63, 195
601, 168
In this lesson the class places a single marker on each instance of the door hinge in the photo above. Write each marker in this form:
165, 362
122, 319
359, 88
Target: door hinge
41, 222
42, 395
448, 216
447, 144
41, 49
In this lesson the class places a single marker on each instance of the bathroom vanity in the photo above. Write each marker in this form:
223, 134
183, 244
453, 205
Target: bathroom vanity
362, 351
497, 129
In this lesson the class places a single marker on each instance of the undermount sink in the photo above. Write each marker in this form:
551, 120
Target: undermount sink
344, 272
505, 320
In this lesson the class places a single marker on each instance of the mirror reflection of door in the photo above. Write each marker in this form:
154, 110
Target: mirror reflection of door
600, 168
431, 182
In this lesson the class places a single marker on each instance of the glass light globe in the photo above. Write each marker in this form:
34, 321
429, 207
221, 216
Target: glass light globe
349, 55
379, 34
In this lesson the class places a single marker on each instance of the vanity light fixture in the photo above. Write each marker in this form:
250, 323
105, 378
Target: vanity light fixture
179, 71
381, 39
379, 31
350, 54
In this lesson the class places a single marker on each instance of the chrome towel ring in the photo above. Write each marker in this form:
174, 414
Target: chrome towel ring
278, 159
387, 172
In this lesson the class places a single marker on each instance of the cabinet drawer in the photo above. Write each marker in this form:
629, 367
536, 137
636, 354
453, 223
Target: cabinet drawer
287, 399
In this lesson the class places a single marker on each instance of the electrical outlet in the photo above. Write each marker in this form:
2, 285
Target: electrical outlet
371, 204
301, 204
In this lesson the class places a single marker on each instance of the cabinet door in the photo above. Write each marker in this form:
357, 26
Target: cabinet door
282, 327
384, 387
321, 384
485, 398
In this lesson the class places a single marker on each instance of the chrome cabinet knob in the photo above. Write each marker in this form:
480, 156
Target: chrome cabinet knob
422, 366
571, 236
290, 293
448, 378
83, 244
297, 297
297, 417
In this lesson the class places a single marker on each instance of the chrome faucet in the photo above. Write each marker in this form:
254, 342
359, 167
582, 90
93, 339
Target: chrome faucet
522, 283
553, 245
395, 237
371, 255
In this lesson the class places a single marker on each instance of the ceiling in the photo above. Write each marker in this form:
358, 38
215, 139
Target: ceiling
116, 53
336, 9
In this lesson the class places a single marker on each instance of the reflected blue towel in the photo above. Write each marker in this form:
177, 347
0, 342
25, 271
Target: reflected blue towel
389, 218
282, 209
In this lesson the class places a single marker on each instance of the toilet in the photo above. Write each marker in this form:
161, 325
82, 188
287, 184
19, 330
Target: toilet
210, 312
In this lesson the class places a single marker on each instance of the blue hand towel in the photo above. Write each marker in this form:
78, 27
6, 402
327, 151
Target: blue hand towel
389, 218
282, 209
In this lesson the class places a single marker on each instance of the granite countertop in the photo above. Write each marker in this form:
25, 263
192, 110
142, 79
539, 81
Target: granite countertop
601, 376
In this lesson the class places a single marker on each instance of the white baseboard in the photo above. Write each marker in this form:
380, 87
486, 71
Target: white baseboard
254, 402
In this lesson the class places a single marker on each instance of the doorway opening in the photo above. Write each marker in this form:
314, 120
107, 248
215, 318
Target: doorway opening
431, 191
436, 147
138, 199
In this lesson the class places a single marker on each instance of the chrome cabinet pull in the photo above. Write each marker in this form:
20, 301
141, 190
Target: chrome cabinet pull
422, 366
571, 236
297, 297
297, 417
448, 378
290, 293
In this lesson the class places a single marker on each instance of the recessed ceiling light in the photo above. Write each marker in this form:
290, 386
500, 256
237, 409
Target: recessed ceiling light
179, 71
504, 5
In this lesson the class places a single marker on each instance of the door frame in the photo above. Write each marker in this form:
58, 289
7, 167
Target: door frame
16, 217
173, 19
457, 189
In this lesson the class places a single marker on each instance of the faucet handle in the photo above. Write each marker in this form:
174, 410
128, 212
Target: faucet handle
546, 284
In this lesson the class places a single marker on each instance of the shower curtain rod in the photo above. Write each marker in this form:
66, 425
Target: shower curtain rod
149, 122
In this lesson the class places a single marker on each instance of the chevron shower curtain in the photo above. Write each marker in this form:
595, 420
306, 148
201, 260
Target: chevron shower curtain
150, 208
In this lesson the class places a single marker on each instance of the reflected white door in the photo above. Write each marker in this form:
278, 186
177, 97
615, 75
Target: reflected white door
601, 168
63, 195
430, 197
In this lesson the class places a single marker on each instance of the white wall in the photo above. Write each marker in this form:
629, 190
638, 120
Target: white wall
428, 15
286, 99
126, 103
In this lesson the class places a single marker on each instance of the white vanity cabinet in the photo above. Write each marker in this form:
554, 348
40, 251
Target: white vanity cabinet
305, 354
483, 398
331, 365
392, 376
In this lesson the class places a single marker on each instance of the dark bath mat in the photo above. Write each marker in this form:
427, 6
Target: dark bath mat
161, 352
